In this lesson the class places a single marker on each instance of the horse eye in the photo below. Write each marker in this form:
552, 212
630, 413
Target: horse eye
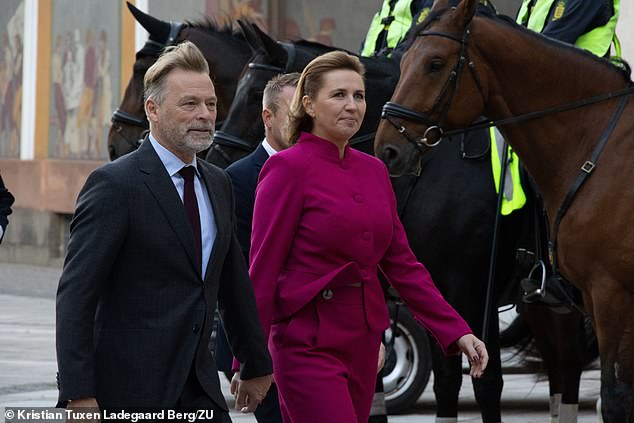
436, 66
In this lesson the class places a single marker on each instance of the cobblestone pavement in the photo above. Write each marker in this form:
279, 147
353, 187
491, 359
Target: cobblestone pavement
28, 366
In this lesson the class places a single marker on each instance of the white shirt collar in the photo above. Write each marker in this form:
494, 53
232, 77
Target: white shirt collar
270, 150
171, 162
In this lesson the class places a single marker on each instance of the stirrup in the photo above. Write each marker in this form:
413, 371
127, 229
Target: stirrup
534, 290
547, 291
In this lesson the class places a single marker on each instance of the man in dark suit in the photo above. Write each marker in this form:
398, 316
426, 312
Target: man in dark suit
6, 200
151, 251
244, 176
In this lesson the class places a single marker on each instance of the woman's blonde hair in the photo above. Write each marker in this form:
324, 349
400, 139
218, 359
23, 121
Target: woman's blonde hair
310, 82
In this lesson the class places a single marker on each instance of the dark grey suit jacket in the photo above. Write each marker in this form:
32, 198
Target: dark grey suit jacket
244, 176
133, 312
6, 200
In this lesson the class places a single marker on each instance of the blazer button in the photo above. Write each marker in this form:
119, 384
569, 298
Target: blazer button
196, 328
358, 198
327, 294
366, 236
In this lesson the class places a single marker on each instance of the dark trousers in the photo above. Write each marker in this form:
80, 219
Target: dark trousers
194, 397
269, 410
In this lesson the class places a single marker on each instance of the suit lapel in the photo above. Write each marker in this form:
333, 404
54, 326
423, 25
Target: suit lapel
160, 184
260, 156
223, 220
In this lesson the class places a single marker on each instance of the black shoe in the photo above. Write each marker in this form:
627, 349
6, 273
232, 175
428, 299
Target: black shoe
556, 293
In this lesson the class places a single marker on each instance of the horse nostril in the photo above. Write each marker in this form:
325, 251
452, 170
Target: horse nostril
390, 155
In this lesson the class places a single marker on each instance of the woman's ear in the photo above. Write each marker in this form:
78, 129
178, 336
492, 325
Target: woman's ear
308, 106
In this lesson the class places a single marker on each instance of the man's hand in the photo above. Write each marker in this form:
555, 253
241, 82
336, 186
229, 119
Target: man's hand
250, 392
83, 406
476, 353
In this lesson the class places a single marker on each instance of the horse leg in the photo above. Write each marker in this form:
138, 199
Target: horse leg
541, 322
613, 311
488, 389
447, 382
570, 351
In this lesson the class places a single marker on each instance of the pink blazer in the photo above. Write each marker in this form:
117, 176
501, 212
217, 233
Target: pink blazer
321, 222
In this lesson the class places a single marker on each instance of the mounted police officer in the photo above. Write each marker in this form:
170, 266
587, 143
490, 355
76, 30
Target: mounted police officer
391, 23
588, 24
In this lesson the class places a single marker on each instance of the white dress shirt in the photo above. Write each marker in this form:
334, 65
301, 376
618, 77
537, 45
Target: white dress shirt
208, 229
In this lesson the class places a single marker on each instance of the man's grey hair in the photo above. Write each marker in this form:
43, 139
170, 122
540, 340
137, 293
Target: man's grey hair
185, 56
275, 86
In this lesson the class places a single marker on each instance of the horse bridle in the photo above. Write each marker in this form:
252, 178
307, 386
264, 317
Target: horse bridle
228, 140
223, 138
154, 49
393, 110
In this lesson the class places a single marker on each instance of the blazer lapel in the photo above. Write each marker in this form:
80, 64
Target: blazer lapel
159, 182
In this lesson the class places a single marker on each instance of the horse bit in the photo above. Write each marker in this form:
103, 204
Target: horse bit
393, 110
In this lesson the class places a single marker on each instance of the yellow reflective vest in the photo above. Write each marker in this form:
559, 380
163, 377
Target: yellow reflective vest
396, 29
513, 197
596, 41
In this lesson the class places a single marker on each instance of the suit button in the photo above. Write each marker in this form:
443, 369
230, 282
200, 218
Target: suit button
358, 198
327, 294
366, 236
196, 328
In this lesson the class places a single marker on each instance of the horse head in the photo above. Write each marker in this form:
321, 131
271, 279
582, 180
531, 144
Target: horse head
243, 128
129, 121
439, 88
270, 57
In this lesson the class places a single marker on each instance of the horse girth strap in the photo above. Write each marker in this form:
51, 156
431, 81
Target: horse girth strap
586, 170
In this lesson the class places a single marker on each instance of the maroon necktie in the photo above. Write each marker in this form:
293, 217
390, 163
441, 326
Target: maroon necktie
191, 207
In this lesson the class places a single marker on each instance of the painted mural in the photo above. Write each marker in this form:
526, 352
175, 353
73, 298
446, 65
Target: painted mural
84, 78
11, 60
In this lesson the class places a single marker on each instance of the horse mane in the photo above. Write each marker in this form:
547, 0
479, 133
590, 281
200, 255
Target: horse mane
318, 47
618, 65
211, 24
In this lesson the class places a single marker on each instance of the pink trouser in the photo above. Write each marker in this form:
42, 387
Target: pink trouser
325, 360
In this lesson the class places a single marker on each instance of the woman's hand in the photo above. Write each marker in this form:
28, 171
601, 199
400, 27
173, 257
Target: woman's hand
476, 353
381, 358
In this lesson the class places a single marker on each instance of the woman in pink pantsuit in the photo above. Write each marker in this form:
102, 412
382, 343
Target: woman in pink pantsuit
324, 223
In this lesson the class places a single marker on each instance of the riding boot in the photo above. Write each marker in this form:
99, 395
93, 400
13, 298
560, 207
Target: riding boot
556, 293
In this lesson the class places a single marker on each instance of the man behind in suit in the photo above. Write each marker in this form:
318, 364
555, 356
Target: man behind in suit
149, 255
244, 176
6, 200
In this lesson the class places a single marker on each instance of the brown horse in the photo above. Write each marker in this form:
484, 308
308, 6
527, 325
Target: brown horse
226, 52
558, 107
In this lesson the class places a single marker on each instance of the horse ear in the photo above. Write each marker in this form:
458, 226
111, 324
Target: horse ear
467, 10
269, 44
159, 30
249, 34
